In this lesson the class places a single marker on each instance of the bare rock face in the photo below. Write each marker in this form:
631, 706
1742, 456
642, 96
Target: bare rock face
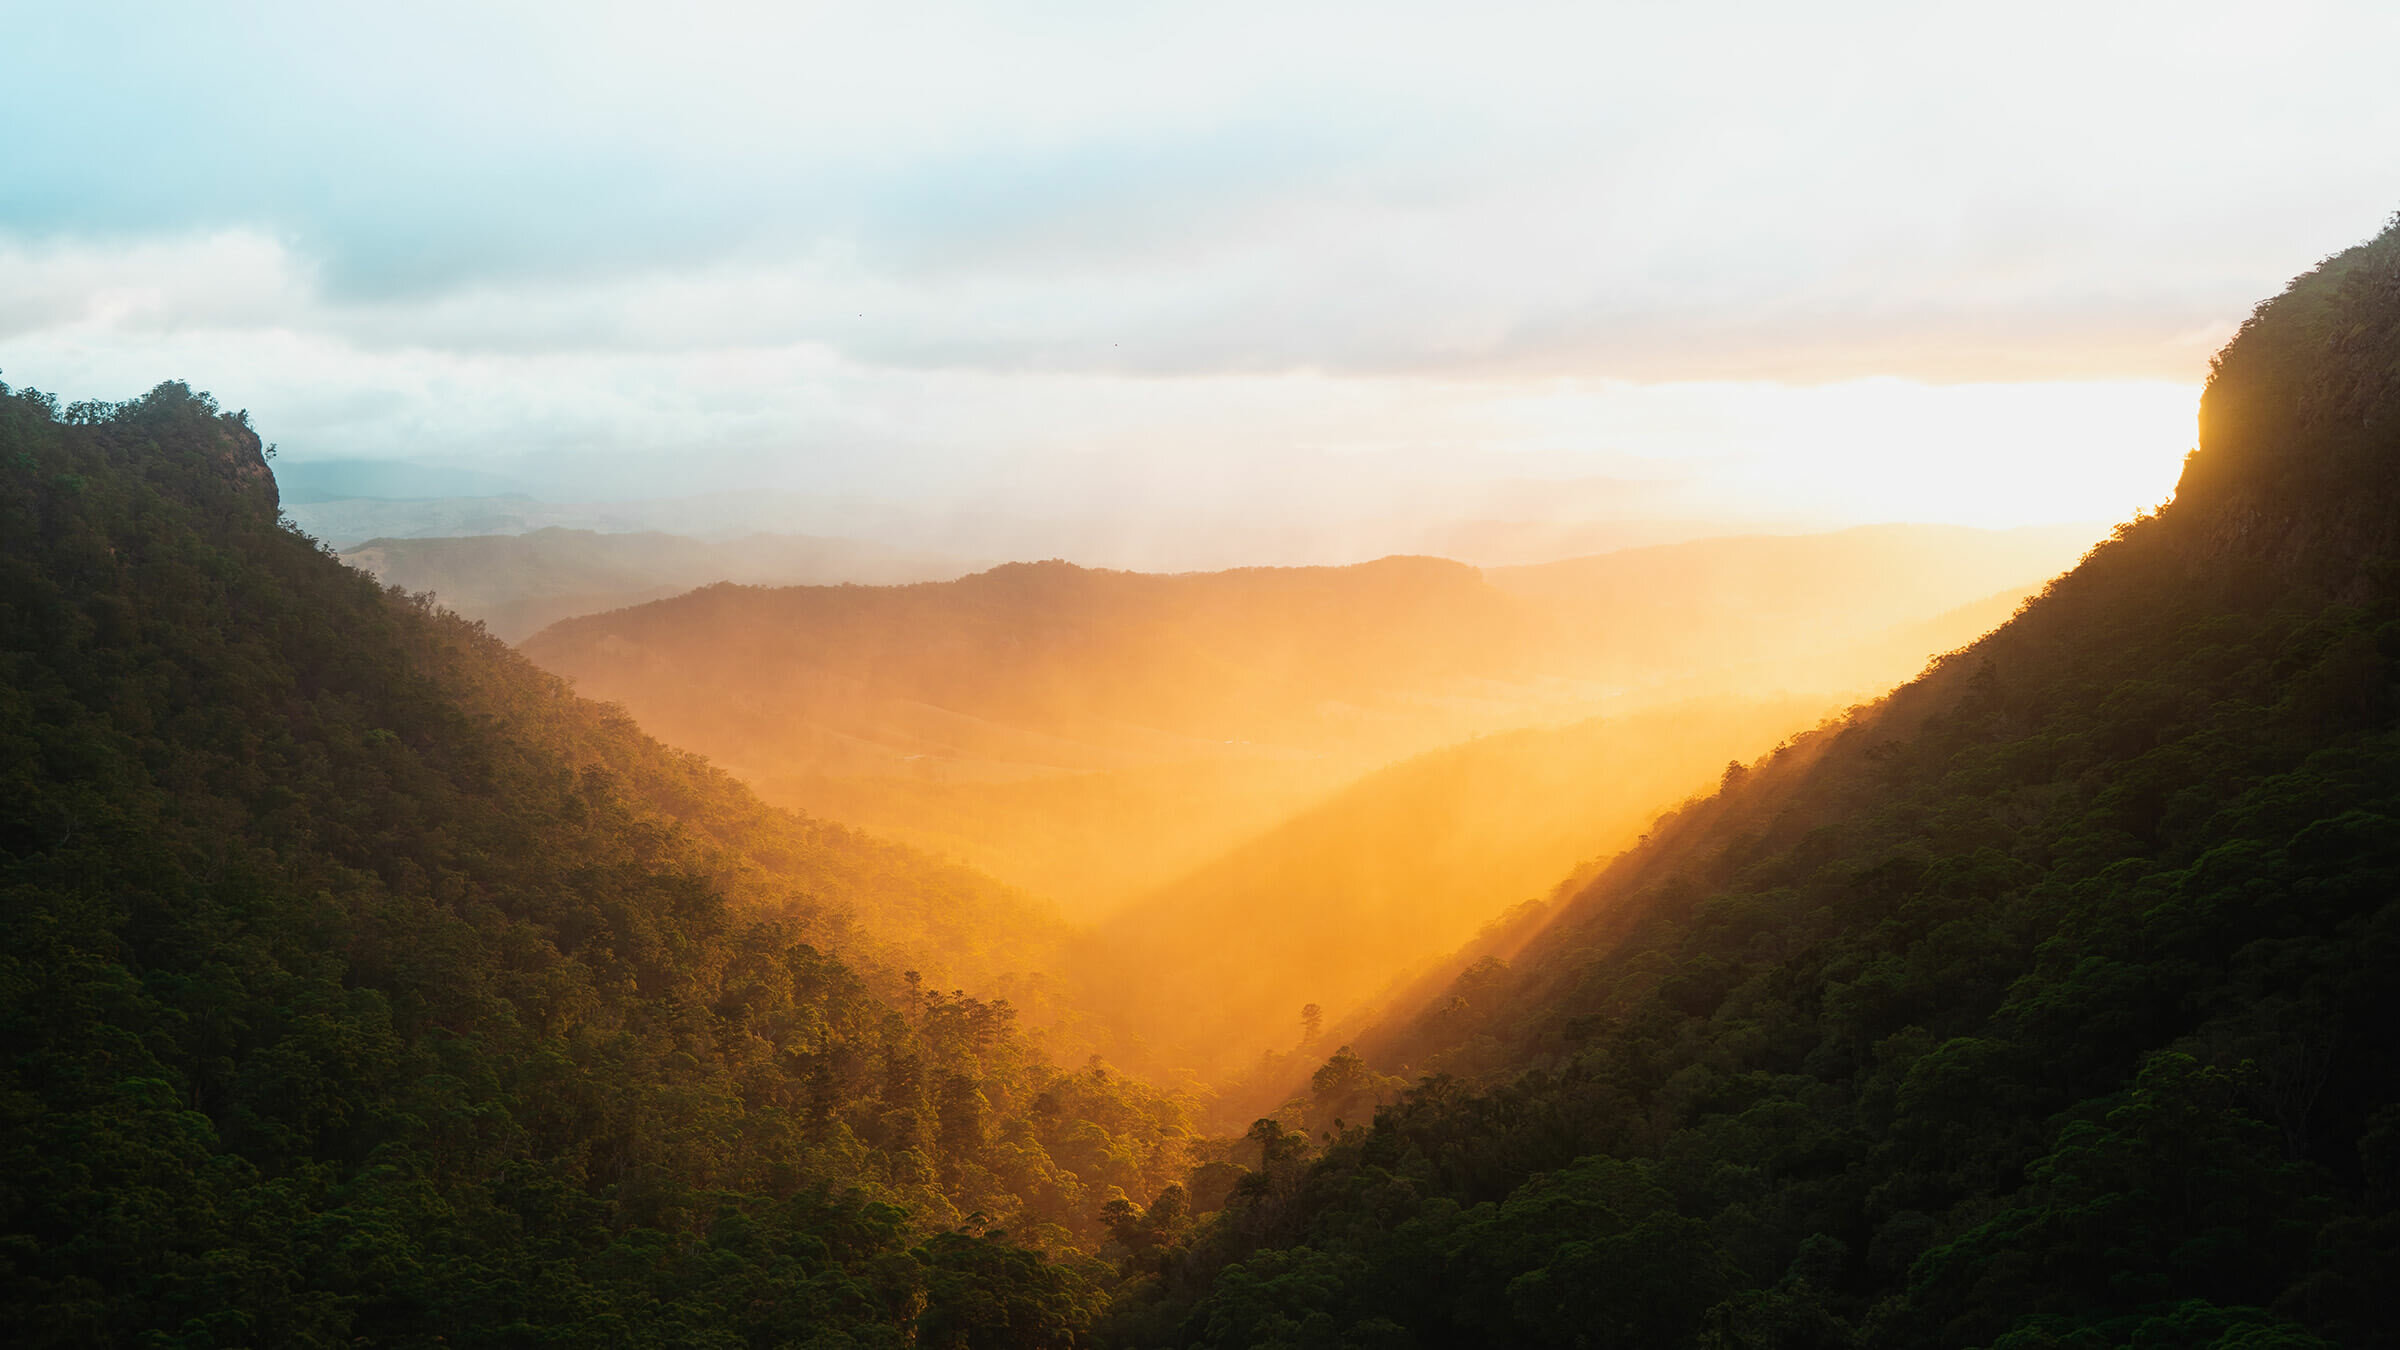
240, 456
175, 431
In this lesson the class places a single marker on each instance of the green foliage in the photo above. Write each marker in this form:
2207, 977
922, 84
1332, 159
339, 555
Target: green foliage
2037, 1005
357, 983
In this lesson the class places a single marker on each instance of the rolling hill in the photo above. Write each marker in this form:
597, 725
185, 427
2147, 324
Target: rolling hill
1093, 735
518, 584
1208, 973
1345, 903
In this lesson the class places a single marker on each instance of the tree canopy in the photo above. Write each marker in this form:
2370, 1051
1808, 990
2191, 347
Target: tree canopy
2038, 1004
359, 982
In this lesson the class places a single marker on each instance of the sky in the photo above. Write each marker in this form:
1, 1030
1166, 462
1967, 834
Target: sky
1172, 268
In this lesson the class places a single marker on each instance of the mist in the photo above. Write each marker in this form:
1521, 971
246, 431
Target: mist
1362, 677
1261, 789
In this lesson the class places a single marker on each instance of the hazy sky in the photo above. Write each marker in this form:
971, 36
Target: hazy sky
1785, 262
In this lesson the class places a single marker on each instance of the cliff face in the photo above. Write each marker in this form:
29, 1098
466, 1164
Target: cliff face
240, 457
180, 441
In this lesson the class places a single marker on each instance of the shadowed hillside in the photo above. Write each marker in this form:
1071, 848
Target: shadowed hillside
359, 985
2039, 1003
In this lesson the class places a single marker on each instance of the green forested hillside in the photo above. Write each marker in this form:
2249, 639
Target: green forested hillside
2045, 1003
358, 985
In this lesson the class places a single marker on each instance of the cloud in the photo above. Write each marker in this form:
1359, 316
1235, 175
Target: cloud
902, 245
1248, 188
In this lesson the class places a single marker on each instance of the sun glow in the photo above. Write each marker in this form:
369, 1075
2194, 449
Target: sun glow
1984, 454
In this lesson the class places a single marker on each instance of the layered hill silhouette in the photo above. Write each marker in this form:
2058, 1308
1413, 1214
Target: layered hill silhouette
2040, 1003
358, 984
1093, 735
361, 984
1346, 900
1330, 908
517, 584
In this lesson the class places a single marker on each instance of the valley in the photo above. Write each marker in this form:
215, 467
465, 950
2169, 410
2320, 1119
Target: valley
1898, 936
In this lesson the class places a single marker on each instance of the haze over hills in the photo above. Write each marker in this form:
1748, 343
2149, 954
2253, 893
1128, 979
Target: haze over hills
520, 583
439, 1003
304, 483
1390, 873
1092, 735
1673, 611
1199, 677
1101, 511
1333, 906
2031, 1005
358, 984
1053, 513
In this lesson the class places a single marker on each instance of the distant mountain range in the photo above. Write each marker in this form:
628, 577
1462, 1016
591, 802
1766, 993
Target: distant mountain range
519, 583
1047, 510
1094, 734
361, 985
304, 483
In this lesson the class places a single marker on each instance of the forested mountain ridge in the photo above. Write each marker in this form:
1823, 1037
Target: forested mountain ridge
357, 984
2036, 1005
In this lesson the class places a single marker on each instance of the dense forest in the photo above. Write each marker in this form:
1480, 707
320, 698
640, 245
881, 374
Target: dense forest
361, 984
358, 984
2035, 1005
